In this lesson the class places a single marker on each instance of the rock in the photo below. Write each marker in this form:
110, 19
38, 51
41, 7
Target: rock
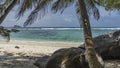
64, 58
14, 30
17, 47
106, 45
41, 62
17, 26
60, 58
114, 52
6, 32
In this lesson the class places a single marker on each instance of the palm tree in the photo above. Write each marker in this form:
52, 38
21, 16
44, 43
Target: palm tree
90, 52
83, 8
60, 5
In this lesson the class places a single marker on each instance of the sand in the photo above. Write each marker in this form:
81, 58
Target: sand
22, 54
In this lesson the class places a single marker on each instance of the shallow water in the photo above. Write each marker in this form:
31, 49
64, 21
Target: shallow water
56, 34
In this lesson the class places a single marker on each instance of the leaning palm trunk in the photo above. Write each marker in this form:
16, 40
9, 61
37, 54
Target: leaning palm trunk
90, 52
7, 10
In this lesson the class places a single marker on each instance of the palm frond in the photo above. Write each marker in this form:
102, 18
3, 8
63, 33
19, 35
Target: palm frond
78, 14
3, 5
91, 10
60, 5
4, 2
24, 5
90, 5
96, 13
40, 11
109, 4
7, 9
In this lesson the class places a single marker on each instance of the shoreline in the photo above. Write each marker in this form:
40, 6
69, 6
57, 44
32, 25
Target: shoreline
35, 47
29, 42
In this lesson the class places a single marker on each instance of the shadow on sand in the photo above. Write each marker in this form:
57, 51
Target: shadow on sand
9, 60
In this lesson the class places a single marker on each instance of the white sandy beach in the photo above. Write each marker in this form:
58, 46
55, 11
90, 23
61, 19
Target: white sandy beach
22, 54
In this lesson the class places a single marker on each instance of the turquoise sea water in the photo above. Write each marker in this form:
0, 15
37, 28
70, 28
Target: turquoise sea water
57, 34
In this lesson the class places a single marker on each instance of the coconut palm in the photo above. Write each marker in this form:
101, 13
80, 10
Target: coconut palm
60, 5
83, 8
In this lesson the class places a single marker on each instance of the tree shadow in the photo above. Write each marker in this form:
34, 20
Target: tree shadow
9, 60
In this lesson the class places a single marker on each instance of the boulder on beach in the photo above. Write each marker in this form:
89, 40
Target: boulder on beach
106, 46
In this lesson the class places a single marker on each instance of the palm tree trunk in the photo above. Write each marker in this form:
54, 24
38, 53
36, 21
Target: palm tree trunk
90, 51
7, 10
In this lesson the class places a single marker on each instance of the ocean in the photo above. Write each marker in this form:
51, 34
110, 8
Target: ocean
56, 34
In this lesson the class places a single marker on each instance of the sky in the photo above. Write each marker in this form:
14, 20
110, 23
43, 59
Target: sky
67, 19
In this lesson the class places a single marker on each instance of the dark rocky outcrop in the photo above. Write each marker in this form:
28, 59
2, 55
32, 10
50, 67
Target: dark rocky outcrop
64, 58
6, 32
14, 30
67, 58
107, 46
17, 26
42, 61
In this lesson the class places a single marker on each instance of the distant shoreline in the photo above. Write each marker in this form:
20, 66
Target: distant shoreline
61, 28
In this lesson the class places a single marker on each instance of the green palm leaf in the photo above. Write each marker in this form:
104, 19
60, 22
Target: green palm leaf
60, 5
8, 7
25, 5
40, 11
